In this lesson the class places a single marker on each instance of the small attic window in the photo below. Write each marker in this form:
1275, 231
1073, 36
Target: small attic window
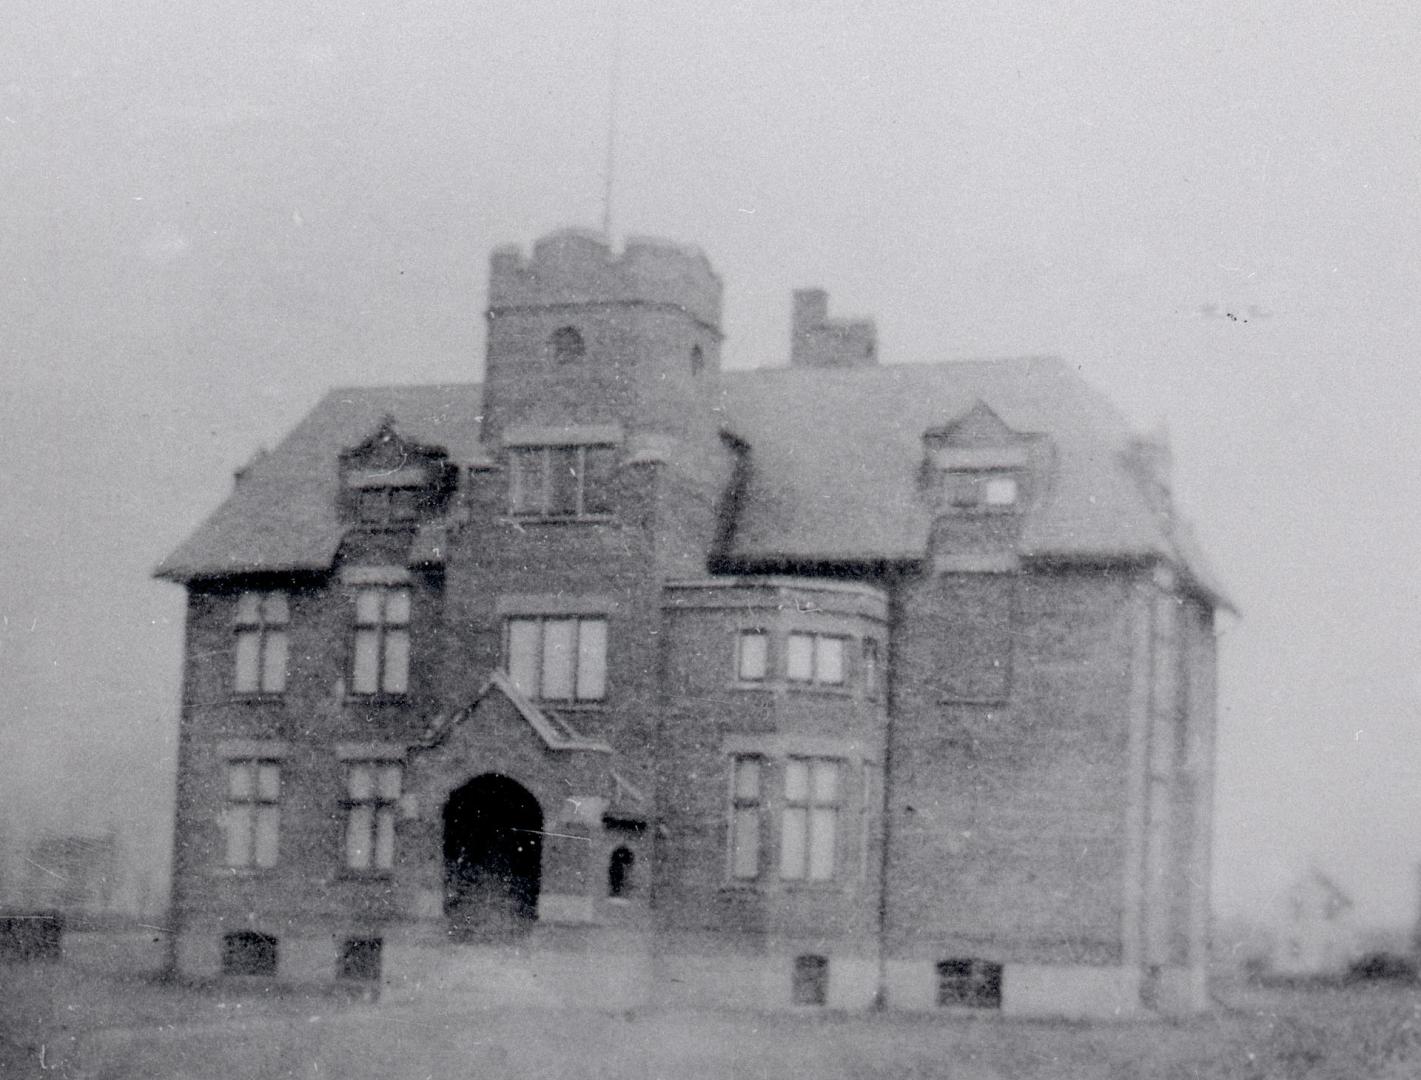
999, 491
389, 481
567, 346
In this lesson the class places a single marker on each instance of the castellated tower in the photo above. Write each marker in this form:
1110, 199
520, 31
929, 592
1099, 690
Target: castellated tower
580, 335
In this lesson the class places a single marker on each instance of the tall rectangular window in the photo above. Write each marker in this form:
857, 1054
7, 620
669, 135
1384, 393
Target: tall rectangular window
372, 789
261, 643
810, 825
752, 655
557, 658
252, 817
872, 668
815, 658
381, 659
745, 810
561, 481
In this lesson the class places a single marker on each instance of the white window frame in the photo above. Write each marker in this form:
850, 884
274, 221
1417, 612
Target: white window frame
818, 645
535, 499
810, 820
251, 818
381, 638
531, 674
371, 810
261, 645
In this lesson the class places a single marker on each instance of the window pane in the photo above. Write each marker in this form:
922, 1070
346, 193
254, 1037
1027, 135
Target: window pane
267, 818
592, 660
238, 824
268, 782
367, 607
389, 781
829, 659
397, 661
274, 610
397, 607
792, 844
403, 504
562, 480
274, 662
599, 467
799, 657
870, 666
797, 780
746, 854
754, 654
239, 780
826, 782
372, 505
366, 671
358, 824
526, 491
747, 778
559, 656
248, 609
246, 680
384, 838
822, 824
999, 491
523, 651
360, 782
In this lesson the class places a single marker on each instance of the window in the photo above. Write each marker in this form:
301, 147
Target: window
698, 360
619, 873
567, 345
752, 655
253, 813
558, 659
999, 491
815, 658
990, 490
382, 641
261, 643
561, 481
974, 983
745, 818
248, 953
360, 959
808, 835
871, 669
811, 980
372, 789
388, 505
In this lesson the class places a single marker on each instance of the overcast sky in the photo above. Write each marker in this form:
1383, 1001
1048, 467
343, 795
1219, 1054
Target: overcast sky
213, 212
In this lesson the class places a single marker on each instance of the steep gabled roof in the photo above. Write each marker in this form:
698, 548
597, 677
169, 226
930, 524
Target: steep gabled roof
834, 467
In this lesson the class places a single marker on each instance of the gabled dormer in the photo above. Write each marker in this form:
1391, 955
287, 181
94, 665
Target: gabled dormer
388, 481
976, 464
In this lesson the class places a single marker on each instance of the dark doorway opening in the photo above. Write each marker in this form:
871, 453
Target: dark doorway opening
493, 858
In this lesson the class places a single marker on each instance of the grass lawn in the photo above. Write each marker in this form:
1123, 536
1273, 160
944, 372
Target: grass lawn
85, 1021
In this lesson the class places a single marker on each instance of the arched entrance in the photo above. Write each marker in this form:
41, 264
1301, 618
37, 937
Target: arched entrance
493, 852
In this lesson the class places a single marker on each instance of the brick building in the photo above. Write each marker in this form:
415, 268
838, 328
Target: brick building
622, 678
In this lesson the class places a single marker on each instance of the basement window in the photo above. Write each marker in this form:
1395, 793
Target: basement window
246, 952
811, 980
969, 982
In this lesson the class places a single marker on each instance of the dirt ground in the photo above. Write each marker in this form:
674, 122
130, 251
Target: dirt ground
75, 1019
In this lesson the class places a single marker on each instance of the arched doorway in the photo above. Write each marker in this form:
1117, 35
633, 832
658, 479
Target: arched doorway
493, 855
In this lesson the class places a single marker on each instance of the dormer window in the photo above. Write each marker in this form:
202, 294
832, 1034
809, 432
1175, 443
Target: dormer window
566, 345
981, 489
389, 482
977, 463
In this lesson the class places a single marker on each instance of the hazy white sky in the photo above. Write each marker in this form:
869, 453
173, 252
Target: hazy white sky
213, 212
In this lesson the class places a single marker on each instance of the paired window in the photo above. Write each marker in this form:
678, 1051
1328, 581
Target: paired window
381, 656
252, 817
974, 983
815, 658
561, 481
809, 818
388, 505
982, 490
745, 813
261, 625
557, 658
372, 790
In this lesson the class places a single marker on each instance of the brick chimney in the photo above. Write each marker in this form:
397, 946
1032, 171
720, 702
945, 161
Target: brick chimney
819, 341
